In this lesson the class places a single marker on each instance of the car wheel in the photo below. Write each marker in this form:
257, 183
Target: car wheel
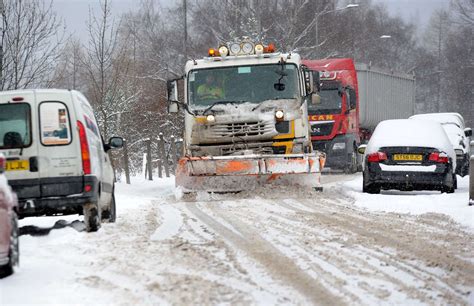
455, 182
450, 184
368, 187
14, 252
91, 217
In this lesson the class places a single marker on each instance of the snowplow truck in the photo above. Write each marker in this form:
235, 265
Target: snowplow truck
245, 120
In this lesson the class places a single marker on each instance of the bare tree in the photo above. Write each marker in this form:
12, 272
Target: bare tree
31, 41
106, 68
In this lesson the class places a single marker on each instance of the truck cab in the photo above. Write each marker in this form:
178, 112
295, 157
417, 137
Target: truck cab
335, 120
245, 101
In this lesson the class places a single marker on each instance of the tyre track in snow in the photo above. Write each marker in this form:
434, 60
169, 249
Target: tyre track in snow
417, 251
399, 250
278, 265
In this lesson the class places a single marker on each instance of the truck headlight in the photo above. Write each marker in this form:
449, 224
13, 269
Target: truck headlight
210, 118
279, 114
339, 146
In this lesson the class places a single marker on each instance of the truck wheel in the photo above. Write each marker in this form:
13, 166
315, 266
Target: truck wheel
14, 251
353, 163
91, 217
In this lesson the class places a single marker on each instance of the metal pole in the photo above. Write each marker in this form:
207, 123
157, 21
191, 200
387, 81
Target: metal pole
164, 158
148, 160
471, 176
125, 162
316, 28
185, 12
173, 152
2, 11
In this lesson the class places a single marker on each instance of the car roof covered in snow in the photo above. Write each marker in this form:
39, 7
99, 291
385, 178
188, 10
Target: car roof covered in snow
455, 118
410, 133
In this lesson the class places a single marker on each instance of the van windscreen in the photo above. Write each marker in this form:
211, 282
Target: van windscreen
15, 125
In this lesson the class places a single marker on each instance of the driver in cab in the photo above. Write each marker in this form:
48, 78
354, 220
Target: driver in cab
210, 90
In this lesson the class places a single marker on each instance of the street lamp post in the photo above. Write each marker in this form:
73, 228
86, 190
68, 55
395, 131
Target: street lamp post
317, 15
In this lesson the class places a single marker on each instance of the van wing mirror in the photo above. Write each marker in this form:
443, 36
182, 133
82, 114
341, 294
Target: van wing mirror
468, 132
361, 149
115, 142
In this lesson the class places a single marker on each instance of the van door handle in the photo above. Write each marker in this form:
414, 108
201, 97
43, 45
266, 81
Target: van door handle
34, 164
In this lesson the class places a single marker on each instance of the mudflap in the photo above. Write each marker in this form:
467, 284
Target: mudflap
238, 173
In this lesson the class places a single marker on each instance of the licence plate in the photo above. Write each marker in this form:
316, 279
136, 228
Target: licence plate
17, 165
408, 157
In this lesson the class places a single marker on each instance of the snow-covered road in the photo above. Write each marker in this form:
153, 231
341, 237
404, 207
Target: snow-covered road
273, 247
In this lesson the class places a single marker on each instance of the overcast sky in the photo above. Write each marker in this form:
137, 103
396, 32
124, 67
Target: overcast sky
76, 12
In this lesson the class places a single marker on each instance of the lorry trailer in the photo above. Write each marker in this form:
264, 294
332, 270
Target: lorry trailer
354, 99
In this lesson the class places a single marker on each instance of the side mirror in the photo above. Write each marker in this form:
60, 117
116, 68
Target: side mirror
116, 142
3, 163
352, 98
468, 132
172, 86
316, 81
173, 107
315, 98
361, 149
308, 80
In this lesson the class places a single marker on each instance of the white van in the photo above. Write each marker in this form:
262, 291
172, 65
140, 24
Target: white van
57, 162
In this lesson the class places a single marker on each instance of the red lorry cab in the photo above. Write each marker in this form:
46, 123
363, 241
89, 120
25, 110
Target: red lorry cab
335, 120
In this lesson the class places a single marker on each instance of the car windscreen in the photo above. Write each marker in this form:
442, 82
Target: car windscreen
241, 84
331, 102
15, 125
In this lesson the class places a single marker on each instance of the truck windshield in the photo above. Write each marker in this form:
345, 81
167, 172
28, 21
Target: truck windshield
14, 125
241, 84
331, 102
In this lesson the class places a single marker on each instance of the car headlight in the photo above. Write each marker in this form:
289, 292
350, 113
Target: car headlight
210, 118
279, 114
459, 152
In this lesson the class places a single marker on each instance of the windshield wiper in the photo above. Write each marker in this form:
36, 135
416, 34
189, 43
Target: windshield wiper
220, 103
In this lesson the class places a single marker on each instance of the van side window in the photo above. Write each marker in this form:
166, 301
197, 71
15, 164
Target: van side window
15, 125
55, 126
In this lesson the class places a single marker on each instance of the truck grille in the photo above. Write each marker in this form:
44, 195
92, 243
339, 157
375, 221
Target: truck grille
245, 129
321, 129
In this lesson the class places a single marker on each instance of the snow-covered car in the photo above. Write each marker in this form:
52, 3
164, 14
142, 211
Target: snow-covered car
407, 154
9, 250
453, 124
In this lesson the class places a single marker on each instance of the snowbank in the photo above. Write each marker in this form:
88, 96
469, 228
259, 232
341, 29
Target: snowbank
415, 202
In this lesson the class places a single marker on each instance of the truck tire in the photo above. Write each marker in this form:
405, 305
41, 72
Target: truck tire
14, 252
353, 162
91, 217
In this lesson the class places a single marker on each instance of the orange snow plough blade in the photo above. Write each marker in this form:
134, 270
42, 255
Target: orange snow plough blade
237, 173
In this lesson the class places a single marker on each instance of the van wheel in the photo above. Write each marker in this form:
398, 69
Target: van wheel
14, 251
110, 215
91, 217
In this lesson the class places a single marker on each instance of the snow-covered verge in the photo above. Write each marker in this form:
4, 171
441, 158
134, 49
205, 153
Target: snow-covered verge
453, 205
270, 247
